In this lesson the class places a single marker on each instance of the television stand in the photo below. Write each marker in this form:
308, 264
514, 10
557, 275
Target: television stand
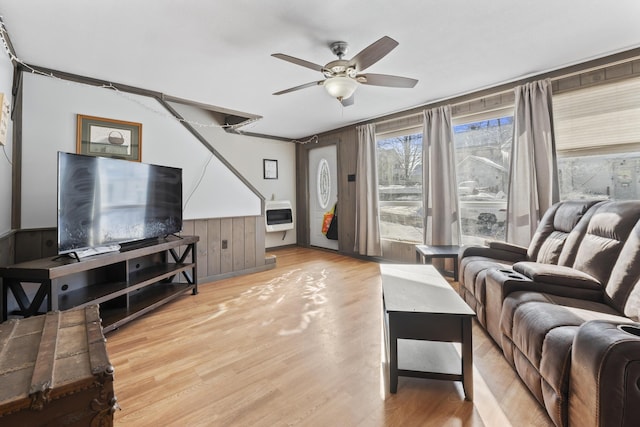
126, 284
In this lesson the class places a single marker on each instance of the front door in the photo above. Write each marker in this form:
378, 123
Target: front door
323, 192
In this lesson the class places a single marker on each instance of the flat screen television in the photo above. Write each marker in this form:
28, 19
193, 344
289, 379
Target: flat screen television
104, 201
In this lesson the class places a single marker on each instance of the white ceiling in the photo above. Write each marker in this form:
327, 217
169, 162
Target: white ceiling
218, 52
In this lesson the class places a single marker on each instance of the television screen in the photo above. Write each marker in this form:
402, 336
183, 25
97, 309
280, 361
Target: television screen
104, 201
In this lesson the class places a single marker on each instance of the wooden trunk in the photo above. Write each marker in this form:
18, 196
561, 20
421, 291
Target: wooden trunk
54, 370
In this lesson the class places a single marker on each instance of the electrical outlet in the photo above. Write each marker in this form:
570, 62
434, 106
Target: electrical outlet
224, 244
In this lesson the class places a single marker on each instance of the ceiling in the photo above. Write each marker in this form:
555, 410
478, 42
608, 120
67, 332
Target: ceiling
219, 52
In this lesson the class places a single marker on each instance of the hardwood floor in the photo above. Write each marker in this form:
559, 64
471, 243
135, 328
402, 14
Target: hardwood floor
297, 345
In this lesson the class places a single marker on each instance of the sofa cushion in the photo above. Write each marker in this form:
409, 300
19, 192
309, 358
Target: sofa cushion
574, 238
623, 288
555, 226
550, 250
555, 371
608, 228
579, 309
527, 315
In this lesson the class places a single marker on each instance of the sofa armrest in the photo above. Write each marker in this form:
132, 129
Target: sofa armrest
509, 247
500, 282
497, 253
561, 280
605, 374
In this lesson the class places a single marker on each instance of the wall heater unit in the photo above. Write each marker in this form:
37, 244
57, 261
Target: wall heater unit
278, 215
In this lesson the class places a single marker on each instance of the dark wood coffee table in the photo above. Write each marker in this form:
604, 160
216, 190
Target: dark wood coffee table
423, 317
426, 253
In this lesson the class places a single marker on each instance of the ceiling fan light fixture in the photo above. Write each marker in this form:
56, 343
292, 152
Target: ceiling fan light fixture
341, 76
340, 87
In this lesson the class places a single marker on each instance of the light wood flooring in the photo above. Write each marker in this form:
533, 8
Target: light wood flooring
299, 345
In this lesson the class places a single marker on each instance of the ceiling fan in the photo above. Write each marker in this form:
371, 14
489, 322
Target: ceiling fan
342, 76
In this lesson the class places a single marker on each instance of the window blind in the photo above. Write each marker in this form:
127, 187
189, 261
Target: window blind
603, 118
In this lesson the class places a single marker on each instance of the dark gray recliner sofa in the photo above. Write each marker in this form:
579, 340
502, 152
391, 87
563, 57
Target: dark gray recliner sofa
565, 310
554, 243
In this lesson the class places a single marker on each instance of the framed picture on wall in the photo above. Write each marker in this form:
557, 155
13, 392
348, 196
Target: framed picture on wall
97, 136
270, 168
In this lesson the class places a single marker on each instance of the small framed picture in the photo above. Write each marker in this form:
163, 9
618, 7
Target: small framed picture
97, 136
270, 168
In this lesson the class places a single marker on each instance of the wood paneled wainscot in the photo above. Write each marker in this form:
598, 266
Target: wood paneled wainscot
229, 246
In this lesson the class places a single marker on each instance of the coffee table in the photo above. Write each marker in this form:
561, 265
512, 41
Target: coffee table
423, 316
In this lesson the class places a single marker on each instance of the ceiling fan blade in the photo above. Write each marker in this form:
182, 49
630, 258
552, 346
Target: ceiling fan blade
373, 53
349, 101
298, 61
306, 85
386, 80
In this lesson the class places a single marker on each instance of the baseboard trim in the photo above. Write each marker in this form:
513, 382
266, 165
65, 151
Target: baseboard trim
269, 265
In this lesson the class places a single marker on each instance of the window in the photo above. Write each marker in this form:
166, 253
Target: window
400, 186
483, 148
599, 177
598, 141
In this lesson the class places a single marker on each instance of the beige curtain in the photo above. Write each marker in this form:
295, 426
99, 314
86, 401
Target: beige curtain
440, 188
533, 183
367, 236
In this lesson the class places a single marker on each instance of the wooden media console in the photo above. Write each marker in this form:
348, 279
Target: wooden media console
126, 284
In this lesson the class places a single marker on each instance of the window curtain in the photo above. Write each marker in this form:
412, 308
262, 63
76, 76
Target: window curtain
367, 235
533, 183
440, 188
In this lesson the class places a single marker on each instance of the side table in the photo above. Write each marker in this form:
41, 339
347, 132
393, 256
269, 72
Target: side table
426, 253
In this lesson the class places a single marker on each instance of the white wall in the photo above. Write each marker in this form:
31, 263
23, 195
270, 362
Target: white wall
245, 154
6, 79
49, 126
